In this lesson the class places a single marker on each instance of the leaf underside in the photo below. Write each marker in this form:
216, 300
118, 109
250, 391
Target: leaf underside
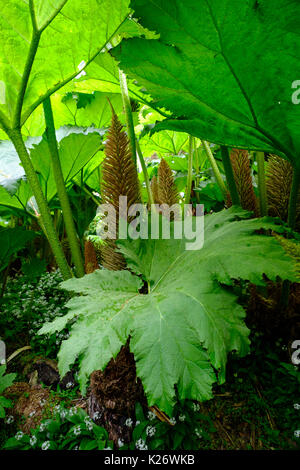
224, 68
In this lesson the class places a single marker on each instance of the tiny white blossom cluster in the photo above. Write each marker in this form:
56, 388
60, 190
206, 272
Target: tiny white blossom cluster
43, 425
141, 445
96, 415
72, 411
33, 441
77, 430
150, 431
88, 423
129, 422
198, 433
40, 302
63, 414
9, 420
297, 406
196, 407
151, 416
45, 445
19, 435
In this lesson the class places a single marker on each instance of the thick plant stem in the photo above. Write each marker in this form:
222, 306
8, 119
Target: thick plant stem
294, 199
61, 190
292, 217
128, 113
196, 164
145, 173
190, 170
230, 176
46, 219
263, 201
215, 168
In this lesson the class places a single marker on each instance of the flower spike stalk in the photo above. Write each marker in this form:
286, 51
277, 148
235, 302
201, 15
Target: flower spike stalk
61, 190
230, 176
46, 219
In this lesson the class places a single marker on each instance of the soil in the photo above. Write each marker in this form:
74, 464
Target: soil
31, 404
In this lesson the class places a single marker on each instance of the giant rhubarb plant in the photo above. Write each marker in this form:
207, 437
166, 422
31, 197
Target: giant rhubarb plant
183, 328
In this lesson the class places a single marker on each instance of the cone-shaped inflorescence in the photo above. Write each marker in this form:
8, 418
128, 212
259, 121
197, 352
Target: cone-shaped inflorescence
119, 178
292, 248
167, 192
243, 180
90, 257
164, 189
279, 182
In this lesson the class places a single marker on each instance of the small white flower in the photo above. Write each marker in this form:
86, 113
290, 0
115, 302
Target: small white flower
33, 440
10, 419
88, 423
77, 430
129, 422
196, 407
173, 421
120, 443
151, 416
198, 433
19, 435
43, 402
137, 423
141, 445
45, 445
72, 411
32, 414
89, 426
69, 385
297, 433
96, 415
297, 406
43, 427
150, 431
181, 418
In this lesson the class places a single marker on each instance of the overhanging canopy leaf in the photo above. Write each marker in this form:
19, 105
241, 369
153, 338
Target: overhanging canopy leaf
46, 44
225, 68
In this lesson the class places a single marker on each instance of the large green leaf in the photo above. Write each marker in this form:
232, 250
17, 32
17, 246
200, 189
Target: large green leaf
78, 148
75, 109
6, 380
11, 241
75, 151
225, 68
183, 329
164, 143
44, 45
